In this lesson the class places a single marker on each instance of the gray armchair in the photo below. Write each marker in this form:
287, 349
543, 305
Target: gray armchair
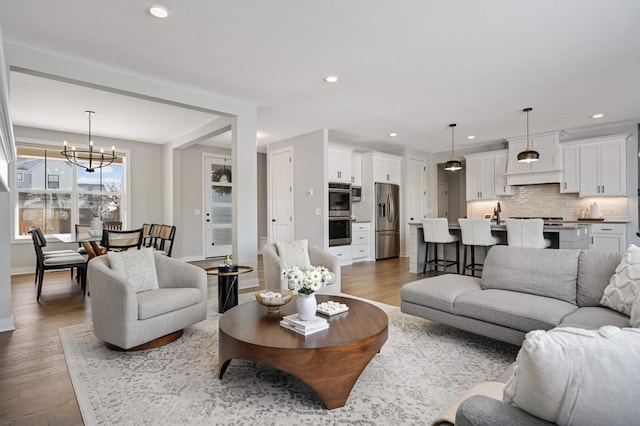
273, 267
128, 320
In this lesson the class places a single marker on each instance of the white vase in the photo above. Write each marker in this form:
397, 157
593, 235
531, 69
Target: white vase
96, 227
306, 304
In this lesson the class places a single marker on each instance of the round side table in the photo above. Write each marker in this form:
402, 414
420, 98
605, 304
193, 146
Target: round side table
228, 284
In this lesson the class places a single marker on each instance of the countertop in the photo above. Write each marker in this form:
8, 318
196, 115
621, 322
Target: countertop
503, 227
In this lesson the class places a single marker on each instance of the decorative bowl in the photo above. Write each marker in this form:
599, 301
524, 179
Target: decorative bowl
274, 299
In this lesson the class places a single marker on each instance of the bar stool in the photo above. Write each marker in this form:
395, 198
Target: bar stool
436, 231
526, 233
475, 232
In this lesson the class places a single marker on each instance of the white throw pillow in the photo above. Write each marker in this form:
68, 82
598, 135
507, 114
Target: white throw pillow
625, 283
574, 376
138, 266
295, 254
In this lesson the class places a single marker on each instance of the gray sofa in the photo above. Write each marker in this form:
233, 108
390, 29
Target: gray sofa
521, 289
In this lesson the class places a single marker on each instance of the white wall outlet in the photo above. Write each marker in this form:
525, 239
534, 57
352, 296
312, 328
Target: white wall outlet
309, 192
196, 212
318, 211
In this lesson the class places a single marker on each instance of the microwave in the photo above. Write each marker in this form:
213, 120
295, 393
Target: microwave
339, 200
356, 193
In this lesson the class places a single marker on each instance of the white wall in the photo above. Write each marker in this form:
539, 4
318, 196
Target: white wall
310, 171
262, 198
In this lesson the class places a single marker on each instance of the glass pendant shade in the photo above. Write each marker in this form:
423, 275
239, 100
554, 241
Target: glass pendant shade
528, 155
453, 164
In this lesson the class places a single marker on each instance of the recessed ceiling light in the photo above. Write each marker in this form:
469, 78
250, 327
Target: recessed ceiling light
471, 137
393, 135
597, 116
158, 11
331, 79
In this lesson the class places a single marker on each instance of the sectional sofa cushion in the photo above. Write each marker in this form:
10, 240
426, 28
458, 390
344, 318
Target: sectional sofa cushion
625, 282
595, 269
439, 292
573, 376
635, 312
550, 273
513, 309
594, 317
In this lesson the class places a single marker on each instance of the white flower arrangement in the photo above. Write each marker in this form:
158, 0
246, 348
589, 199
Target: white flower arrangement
309, 281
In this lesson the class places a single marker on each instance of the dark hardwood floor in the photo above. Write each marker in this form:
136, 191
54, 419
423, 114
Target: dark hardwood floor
35, 387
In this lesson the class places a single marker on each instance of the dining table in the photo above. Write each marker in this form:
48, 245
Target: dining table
88, 240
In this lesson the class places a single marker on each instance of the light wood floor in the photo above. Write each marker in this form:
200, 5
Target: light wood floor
35, 388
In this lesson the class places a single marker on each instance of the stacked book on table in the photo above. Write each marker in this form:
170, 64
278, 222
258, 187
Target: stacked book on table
294, 323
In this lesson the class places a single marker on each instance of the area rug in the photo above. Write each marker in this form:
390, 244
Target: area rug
421, 370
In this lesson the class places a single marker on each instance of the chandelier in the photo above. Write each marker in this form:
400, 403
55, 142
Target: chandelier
89, 159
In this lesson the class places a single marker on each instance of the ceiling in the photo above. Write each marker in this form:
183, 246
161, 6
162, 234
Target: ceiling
409, 67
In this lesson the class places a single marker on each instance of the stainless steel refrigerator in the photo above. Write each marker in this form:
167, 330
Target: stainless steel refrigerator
387, 220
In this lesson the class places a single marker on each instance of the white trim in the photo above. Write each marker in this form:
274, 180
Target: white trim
24, 270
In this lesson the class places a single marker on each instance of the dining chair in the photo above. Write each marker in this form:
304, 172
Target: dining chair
163, 241
121, 240
112, 226
147, 237
436, 231
475, 233
59, 261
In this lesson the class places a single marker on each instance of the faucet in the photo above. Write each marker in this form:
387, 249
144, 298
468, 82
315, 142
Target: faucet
496, 213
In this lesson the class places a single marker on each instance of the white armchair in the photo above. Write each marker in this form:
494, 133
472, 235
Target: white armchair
127, 320
274, 265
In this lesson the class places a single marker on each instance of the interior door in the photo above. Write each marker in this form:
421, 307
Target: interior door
281, 195
218, 206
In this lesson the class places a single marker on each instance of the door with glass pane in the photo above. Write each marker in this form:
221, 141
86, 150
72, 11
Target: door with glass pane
218, 206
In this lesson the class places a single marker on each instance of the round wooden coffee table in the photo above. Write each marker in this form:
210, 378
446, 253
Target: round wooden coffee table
330, 361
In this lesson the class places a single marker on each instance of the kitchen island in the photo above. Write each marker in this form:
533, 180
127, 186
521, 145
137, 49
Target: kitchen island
566, 235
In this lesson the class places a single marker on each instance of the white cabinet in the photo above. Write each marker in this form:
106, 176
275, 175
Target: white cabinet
480, 178
360, 241
356, 169
570, 169
343, 253
500, 178
386, 168
609, 237
339, 164
603, 167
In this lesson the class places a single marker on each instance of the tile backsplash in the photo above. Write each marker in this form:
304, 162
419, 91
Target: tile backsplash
546, 200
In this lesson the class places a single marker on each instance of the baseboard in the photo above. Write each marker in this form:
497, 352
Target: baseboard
190, 258
250, 283
24, 270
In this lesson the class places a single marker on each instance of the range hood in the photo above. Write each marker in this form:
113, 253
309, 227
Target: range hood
546, 170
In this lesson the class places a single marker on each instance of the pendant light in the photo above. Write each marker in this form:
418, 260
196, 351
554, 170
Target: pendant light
528, 155
452, 164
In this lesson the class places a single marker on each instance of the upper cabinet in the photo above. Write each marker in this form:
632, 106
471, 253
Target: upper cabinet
603, 166
480, 177
500, 174
570, 169
548, 169
339, 164
356, 169
386, 168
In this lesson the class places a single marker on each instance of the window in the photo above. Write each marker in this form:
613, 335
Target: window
55, 195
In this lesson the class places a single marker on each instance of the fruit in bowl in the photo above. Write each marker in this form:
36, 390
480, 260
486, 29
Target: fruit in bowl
274, 300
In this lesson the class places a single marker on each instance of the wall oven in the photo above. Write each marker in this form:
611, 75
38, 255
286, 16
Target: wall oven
339, 231
339, 200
